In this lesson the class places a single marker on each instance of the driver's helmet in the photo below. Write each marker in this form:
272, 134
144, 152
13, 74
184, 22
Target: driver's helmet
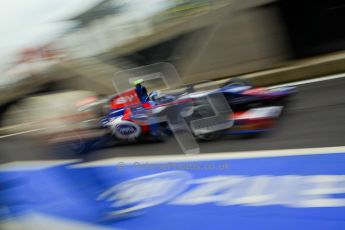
137, 81
154, 95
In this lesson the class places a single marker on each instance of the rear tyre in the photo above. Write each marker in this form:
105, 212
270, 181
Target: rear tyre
203, 111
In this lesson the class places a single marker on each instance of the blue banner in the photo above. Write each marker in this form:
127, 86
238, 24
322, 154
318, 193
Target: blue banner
291, 192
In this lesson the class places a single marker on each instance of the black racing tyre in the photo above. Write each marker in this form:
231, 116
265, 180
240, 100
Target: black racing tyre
209, 136
78, 147
203, 111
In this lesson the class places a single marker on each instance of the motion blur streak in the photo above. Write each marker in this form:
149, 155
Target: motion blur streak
104, 104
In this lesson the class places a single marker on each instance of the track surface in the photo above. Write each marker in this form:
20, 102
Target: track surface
314, 118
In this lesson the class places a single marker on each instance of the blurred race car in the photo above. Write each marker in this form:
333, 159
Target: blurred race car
130, 120
142, 121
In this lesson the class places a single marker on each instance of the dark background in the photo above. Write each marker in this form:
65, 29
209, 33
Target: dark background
314, 26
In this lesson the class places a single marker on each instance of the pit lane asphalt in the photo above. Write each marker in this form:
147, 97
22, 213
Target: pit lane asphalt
314, 118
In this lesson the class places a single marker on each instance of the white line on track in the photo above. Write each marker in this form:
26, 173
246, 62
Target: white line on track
213, 156
44, 164
314, 80
20, 133
34, 165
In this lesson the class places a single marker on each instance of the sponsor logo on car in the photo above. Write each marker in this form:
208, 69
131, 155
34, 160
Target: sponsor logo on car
125, 129
124, 99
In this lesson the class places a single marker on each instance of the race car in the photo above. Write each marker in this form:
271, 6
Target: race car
130, 120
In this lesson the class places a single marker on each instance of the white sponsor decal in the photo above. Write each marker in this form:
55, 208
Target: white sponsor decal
124, 99
124, 129
147, 191
178, 188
